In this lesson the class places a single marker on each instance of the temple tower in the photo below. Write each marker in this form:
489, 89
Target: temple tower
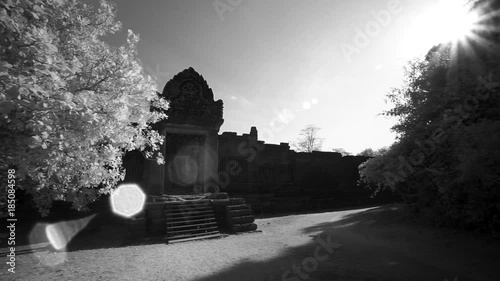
191, 137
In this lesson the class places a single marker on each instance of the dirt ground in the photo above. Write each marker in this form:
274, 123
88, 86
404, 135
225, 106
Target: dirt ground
374, 244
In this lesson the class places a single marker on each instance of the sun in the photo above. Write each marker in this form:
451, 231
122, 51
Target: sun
451, 20
447, 21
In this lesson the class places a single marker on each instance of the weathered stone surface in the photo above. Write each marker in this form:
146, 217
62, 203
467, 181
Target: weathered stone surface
238, 213
237, 201
136, 227
241, 220
153, 206
218, 195
156, 226
155, 214
269, 177
221, 202
189, 95
243, 227
237, 207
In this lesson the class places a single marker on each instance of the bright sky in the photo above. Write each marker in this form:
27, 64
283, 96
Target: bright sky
280, 65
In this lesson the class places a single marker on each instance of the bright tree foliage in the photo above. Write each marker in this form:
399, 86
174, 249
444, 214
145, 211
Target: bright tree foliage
71, 105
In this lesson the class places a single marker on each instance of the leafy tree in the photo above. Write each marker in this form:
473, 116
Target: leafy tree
369, 152
445, 161
71, 105
309, 140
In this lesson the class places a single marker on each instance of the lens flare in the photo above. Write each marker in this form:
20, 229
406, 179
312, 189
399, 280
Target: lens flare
61, 233
127, 200
446, 21
38, 243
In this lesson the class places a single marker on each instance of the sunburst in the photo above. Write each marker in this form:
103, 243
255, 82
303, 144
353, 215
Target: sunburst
446, 22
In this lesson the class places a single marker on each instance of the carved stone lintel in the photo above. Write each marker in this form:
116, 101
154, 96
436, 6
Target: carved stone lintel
190, 96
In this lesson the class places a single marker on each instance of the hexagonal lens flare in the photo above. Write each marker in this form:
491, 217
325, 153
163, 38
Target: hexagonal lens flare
127, 200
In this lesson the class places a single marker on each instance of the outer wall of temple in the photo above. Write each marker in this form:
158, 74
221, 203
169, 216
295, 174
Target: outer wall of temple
274, 178
271, 177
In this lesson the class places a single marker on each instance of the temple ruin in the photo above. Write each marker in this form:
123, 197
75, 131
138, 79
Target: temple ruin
201, 164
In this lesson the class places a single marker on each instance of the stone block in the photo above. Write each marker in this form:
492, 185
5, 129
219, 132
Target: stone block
237, 201
238, 213
241, 220
244, 227
237, 207
136, 226
221, 202
218, 195
156, 226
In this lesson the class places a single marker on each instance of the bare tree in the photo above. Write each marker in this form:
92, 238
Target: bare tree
309, 140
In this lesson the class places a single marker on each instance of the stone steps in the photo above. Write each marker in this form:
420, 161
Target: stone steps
205, 219
206, 236
198, 219
238, 213
239, 217
190, 220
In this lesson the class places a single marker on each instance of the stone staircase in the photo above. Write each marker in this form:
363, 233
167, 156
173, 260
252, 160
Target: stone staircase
190, 220
234, 215
240, 218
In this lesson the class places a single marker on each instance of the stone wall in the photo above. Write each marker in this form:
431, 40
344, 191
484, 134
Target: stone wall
269, 176
272, 177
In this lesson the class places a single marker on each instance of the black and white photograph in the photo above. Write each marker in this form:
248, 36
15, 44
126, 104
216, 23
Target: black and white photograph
250, 140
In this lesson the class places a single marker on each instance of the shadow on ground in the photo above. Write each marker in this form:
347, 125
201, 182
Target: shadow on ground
374, 244
378, 244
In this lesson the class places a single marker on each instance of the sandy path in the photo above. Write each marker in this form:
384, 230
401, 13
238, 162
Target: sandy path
367, 245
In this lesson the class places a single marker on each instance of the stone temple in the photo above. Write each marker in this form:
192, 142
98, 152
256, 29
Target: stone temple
202, 164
